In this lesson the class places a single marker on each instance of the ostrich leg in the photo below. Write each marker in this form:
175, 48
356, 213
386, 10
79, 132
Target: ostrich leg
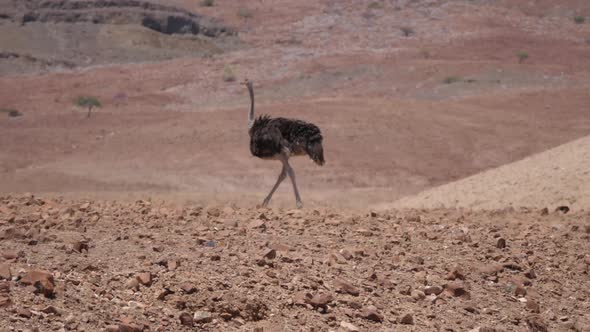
291, 174
282, 176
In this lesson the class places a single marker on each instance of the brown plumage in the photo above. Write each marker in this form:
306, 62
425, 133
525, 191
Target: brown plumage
280, 138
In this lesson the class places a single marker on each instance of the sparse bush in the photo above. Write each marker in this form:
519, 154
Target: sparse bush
11, 112
207, 3
425, 53
579, 19
88, 102
228, 74
452, 79
375, 5
245, 13
407, 31
522, 56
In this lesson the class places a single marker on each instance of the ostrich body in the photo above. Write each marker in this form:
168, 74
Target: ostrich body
279, 139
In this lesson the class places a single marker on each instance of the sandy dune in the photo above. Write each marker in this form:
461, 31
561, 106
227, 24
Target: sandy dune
560, 176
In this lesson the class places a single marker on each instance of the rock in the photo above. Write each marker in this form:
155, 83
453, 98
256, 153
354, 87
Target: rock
418, 295
343, 286
544, 211
301, 298
129, 327
257, 224
533, 306
163, 293
321, 300
10, 255
501, 244
80, 246
405, 290
420, 277
5, 301
145, 278
42, 280
536, 324
433, 290
456, 273
371, 313
172, 265
188, 288
346, 254
5, 272
491, 269
201, 317
520, 291
132, 283
52, 310
215, 258
270, 254
531, 274
349, 327
407, 319
456, 289
22, 312
186, 319
563, 209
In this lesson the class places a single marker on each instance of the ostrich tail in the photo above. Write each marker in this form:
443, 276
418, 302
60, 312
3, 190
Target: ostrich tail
316, 152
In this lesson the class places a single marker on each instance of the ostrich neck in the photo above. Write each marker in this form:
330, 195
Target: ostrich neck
251, 114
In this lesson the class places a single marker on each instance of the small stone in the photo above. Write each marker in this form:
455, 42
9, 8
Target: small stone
52, 310
10, 255
80, 246
536, 324
349, 327
5, 272
270, 254
371, 313
433, 290
343, 286
531, 274
215, 258
163, 293
202, 317
520, 291
145, 278
22, 312
186, 319
132, 283
533, 306
5, 301
501, 244
321, 300
456, 273
188, 288
456, 289
407, 319
257, 224
346, 254
129, 327
491, 269
172, 265
42, 281
418, 295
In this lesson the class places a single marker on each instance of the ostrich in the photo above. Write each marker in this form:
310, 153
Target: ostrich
280, 138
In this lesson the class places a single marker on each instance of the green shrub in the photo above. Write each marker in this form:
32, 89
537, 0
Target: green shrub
522, 56
579, 19
88, 102
375, 5
451, 79
228, 74
11, 112
245, 13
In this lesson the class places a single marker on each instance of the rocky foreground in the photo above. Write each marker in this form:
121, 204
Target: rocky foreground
145, 266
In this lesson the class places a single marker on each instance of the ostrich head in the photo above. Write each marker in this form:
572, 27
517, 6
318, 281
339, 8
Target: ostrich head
250, 87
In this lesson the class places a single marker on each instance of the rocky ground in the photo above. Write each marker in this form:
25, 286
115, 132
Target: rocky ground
152, 266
